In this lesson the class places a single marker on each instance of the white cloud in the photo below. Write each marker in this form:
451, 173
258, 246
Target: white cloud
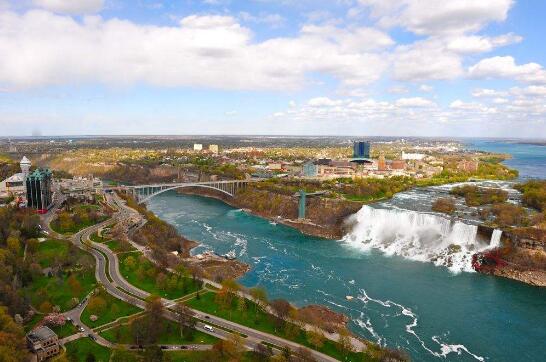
479, 44
484, 92
414, 102
426, 88
506, 67
70, 6
438, 17
426, 60
41, 48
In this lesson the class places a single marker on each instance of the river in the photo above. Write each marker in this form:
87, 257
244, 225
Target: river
432, 312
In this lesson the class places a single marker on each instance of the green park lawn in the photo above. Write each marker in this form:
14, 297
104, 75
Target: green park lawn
64, 331
170, 335
264, 322
56, 289
113, 310
51, 250
80, 349
97, 239
116, 247
143, 276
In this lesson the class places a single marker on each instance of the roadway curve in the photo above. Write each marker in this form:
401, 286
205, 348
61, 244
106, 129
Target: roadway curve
121, 289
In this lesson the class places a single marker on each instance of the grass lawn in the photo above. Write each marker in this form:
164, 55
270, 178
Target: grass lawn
116, 247
31, 323
56, 290
64, 331
170, 335
96, 238
263, 322
50, 250
114, 309
147, 279
79, 349
76, 227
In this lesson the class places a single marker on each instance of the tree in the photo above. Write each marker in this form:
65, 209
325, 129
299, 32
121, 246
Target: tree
12, 338
345, 341
231, 348
154, 317
304, 355
96, 305
14, 245
282, 308
259, 295
262, 352
186, 319
75, 286
161, 280
153, 353
130, 263
444, 205
315, 337
90, 357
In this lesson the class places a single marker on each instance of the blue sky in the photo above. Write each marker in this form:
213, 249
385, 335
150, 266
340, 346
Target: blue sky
344, 67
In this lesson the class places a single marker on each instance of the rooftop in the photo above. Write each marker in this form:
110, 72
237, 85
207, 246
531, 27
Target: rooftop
41, 334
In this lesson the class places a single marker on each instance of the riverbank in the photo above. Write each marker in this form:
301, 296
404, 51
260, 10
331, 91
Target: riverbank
325, 218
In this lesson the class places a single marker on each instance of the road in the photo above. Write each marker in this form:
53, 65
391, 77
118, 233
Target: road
121, 289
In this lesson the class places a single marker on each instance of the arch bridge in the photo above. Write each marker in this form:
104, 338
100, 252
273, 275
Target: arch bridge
143, 193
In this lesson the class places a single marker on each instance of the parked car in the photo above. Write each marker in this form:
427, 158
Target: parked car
208, 328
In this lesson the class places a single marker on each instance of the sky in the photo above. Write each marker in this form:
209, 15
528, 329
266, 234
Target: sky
455, 68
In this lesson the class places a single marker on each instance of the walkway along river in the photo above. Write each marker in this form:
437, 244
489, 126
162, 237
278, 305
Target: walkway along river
431, 312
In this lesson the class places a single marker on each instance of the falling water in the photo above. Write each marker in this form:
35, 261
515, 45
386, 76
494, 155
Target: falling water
495, 238
417, 236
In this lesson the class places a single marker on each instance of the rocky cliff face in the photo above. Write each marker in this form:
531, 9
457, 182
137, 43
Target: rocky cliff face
324, 217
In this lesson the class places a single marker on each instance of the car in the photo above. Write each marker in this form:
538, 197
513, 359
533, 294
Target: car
164, 347
183, 347
208, 328
81, 329
69, 319
92, 337
207, 317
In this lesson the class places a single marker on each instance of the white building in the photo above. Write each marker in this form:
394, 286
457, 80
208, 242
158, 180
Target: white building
214, 149
413, 156
15, 185
197, 147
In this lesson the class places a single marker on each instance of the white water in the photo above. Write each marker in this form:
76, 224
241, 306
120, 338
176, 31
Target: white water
418, 236
495, 238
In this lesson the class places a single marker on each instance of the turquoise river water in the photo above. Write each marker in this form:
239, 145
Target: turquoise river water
429, 310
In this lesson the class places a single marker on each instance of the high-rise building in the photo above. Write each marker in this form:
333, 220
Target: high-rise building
361, 149
39, 195
197, 147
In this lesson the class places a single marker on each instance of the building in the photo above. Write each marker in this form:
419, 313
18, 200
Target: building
214, 149
43, 342
81, 187
381, 163
467, 166
413, 156
15, 184
361, 149
197, 147
310, 169
39, 194
398, 165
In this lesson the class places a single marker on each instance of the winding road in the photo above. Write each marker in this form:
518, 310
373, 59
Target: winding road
108, 274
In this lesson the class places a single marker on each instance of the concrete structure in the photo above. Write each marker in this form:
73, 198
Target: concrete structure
413, 156
214, 149
197, 147
81, 187
398, 165
43, 342
39, 194
15, 184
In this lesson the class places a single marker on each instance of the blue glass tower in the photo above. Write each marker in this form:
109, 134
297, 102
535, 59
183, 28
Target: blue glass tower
361, 149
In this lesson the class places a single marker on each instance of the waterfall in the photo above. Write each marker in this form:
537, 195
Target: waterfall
495, 239
416, 236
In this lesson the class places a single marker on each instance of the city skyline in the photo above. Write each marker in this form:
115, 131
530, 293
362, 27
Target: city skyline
367, 67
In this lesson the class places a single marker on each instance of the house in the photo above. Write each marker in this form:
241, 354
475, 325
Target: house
43, 342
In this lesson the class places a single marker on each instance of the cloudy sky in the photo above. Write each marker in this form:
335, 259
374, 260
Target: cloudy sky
313, 67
